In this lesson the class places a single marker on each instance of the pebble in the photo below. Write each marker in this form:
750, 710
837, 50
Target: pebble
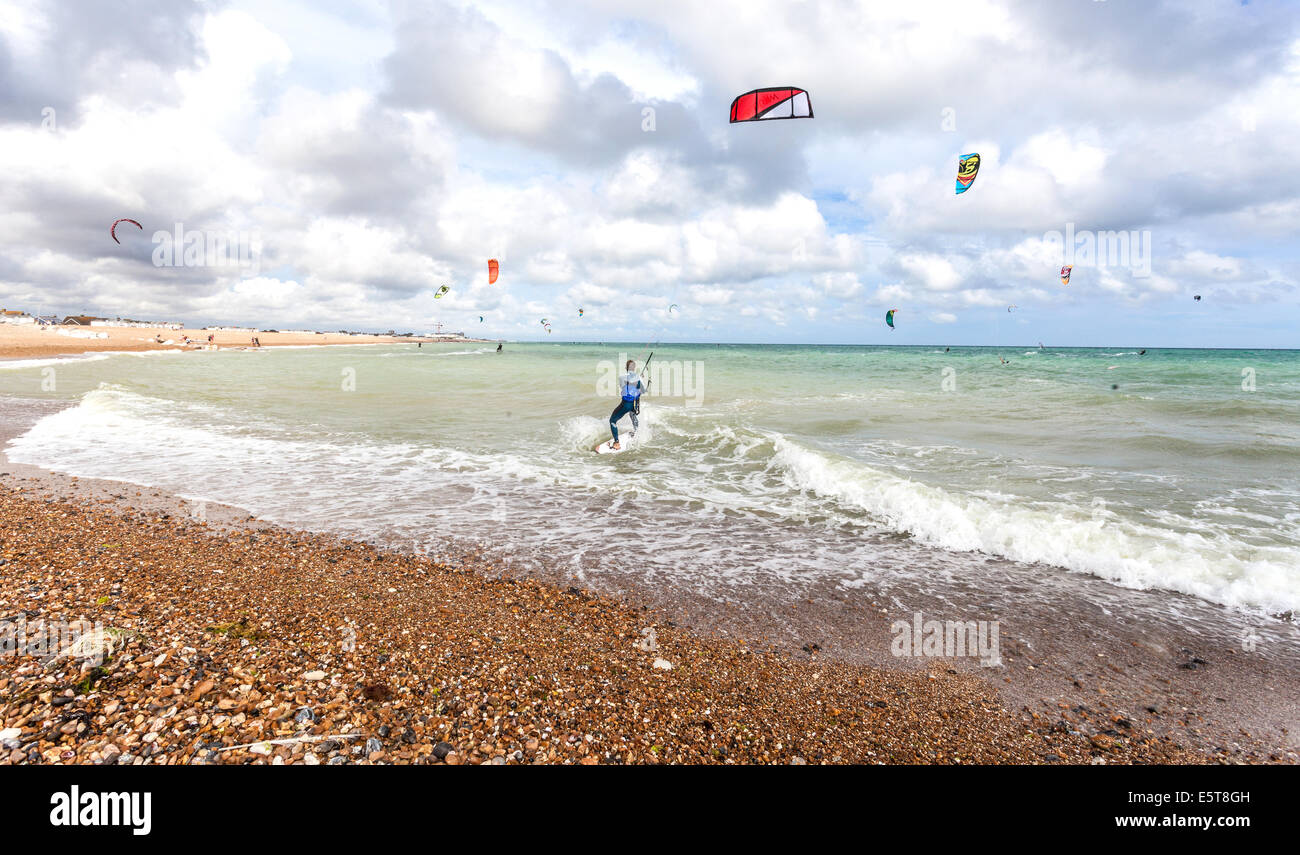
468, 666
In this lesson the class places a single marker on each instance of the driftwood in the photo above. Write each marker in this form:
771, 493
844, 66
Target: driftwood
293, 740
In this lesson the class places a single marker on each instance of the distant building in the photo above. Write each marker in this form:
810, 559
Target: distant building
14, 316
81, 320
132, 322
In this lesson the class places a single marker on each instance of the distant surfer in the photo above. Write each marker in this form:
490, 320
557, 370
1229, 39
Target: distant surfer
1143, 353
499, 346
631, 387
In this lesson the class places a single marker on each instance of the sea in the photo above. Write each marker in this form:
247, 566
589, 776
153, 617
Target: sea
965, 470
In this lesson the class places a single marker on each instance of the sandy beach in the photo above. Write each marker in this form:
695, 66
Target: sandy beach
28, 341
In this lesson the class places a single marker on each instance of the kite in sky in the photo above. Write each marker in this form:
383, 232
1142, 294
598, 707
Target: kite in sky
1065, 274
494, 270
443, 290
889, 317
778, 102
967, 168
580, 312
113, 229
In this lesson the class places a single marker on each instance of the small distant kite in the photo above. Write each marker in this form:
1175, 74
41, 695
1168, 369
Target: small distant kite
480, 319
443, 290
113, 229
1012, 306
1065, 274
672, 307
494, 270
889, 317
777, 102
967, 168
580, 312
1197, 298
544, 322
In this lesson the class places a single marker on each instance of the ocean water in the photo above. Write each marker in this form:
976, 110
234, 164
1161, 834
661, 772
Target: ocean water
1177, 470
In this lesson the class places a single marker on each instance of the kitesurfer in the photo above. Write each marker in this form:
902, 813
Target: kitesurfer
631, 388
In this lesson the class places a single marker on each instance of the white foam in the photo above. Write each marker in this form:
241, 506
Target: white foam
704, 476
20, 364
1214, 566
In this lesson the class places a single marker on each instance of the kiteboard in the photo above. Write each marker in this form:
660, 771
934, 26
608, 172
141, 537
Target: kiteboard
605, 446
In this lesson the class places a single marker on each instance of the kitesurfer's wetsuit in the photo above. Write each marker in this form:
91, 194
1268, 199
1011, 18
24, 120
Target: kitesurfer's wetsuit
631, 386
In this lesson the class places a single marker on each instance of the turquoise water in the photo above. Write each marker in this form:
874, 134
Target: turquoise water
1175, 470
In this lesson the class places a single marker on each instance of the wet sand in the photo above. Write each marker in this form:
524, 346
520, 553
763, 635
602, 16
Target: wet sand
1090, 688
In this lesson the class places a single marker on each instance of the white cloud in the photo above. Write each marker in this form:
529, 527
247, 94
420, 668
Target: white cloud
447, 134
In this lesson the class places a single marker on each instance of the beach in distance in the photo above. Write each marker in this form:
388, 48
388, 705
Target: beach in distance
61, 339
1091, 552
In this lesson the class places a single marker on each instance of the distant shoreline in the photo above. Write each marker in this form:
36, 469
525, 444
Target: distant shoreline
32, 341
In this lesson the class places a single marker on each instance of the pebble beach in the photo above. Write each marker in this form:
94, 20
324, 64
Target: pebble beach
216, 642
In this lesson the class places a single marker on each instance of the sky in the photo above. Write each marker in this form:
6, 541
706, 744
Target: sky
330, 165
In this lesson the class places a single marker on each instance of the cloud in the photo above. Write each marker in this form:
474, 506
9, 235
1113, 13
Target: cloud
379, 153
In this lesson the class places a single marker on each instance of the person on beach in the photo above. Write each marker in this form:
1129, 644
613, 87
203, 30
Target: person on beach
499, 346
631, 388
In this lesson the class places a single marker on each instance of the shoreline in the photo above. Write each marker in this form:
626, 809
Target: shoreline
1023, 693
274, 646
25, 342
